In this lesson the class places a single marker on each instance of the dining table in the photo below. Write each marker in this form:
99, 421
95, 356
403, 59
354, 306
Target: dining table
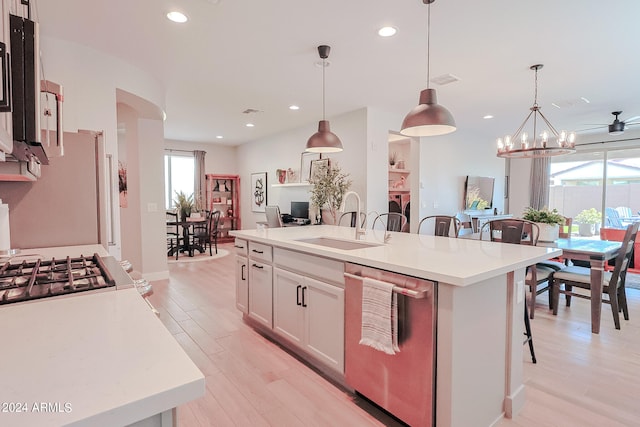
597, 253
188, 245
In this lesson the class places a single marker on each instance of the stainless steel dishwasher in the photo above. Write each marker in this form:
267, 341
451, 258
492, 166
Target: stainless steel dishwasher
403, 384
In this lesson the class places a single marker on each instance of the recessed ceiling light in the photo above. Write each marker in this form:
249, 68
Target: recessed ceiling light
387, 31
556, 105
176, 16
219, 137
293, 107
249, 125
585, 100
488, 116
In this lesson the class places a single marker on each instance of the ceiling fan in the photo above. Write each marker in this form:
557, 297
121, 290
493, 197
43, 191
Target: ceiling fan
617, 126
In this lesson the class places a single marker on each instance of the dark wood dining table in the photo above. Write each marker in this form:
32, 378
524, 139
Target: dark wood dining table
597, 253
188, 245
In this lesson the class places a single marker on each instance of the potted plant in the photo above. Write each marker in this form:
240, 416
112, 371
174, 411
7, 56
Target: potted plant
549, 222
588, 219
184, 204
329, 186
393, 157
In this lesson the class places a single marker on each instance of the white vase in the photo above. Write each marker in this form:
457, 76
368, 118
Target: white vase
548, 232
586, 230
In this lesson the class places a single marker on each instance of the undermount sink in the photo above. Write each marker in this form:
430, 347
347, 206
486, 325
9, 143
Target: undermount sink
338, 243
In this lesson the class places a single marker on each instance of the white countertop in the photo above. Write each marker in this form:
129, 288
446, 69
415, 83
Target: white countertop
62, 251
104, 354
459, 262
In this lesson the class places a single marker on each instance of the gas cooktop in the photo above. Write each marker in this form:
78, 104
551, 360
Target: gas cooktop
32, 279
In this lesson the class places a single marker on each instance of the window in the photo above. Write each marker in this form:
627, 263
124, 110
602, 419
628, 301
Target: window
607, 180
179, 172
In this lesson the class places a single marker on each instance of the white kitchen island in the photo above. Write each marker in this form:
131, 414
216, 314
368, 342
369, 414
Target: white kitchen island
480, 306
91, 359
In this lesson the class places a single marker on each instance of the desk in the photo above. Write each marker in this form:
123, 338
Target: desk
186, 241
597, 252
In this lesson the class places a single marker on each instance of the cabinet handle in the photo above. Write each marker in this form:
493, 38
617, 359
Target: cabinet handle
303, 303
239, 247
242, 271
257, 266
298, 294
257, 251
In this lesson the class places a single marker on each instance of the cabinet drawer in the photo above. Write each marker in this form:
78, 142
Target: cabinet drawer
241, 247
328, 270
260, 252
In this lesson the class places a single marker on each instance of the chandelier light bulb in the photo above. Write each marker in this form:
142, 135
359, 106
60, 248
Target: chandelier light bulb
545, 138
500, 144
572, 139
507, 142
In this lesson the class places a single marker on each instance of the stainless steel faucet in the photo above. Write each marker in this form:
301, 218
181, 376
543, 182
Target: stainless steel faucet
359, 230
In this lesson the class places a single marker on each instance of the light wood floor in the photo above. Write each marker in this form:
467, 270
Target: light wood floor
580, 379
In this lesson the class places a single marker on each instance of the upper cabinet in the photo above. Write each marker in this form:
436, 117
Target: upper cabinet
223, 194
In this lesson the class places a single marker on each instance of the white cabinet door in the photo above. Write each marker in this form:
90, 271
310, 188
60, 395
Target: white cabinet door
242, 284
261, 293
324, 322
288, 312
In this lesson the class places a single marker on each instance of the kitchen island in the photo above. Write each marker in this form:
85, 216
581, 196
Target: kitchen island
479, 304
91, 359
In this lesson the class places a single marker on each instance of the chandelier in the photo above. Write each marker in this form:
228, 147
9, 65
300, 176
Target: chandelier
542, 144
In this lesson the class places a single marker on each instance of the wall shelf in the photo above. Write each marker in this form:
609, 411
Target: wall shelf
401, 171
293, 184
229, 208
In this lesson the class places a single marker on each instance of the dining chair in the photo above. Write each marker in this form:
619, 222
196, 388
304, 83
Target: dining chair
613, 281
350, 218
443, 225
392, 221
613, 218
206, 234
173, 234
523, 232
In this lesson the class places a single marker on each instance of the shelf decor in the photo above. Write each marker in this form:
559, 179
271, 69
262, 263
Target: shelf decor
258, 191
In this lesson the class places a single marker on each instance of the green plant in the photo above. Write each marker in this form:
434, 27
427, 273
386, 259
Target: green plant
329, 186
184, 204
588, 216
543, 215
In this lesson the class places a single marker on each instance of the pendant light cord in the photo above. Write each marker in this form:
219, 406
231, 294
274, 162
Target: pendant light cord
324, 65
428, 43
535, 93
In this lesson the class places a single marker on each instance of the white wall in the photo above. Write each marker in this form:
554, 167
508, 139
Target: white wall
91, 80
445, 162
283, 151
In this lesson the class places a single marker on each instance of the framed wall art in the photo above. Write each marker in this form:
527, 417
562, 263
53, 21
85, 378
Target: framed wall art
305, 165
316, 164
258, 191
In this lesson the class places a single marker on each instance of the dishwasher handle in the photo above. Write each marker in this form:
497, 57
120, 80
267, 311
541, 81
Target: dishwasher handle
419, 294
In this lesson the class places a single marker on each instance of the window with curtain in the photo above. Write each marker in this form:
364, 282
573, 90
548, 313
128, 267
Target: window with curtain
179, 175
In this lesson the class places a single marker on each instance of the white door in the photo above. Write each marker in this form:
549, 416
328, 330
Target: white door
288, 313
324, 322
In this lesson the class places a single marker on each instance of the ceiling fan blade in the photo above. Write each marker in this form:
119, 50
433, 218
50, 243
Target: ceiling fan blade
630, 119
596, 124
598, 127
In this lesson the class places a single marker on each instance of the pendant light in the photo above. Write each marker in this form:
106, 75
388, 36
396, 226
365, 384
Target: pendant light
324, 141
428, 118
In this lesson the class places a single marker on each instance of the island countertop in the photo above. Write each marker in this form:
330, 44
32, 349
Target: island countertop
99, 359
459, 262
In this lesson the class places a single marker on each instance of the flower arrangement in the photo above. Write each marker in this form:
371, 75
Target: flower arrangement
329, 187
543, 215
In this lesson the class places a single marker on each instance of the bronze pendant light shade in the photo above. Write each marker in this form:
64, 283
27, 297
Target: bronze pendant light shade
428, 118
324, 141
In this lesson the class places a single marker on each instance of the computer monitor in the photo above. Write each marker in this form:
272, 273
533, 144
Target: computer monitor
300, 210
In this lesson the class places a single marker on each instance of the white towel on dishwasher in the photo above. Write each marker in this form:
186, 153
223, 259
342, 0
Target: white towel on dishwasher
379, 316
